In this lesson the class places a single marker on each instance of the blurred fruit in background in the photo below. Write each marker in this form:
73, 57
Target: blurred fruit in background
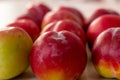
35, 12
100, 12
28, 25
99, 25
75, 12
54, 16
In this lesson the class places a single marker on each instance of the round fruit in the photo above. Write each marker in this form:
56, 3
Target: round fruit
15, 46
58, 56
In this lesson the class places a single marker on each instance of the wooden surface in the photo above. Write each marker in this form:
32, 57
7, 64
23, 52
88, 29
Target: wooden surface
10, 9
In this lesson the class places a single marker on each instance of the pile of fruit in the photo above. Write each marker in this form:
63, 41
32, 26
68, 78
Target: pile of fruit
54, 43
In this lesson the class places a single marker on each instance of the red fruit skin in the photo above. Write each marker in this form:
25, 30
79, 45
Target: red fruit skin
100, 12
58, 56
54, 16
106, 53
49, 27
74, 11
28, 25
67, 25
99, 25
35, 12
31, 17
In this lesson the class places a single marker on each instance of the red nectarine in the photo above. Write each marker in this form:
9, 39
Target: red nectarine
58, 56
67, 25
54, 16
35, 12
106, 53
74, 11
28, 25
100, 24
98, 13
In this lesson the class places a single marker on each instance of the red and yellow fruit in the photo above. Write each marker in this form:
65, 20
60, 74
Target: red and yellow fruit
58, 56
106, 53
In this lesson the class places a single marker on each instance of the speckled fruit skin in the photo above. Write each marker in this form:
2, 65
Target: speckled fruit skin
99, 25
58, 56
15, 46
28, 25
55, 15
106, 53
67, 25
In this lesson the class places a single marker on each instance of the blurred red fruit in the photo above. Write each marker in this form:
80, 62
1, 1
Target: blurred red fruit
28, 25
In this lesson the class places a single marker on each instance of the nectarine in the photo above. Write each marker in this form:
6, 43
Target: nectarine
58, 56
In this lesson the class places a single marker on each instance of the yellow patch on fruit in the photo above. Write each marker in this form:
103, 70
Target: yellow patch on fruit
54, 75
118, 74
108, 69
104, 69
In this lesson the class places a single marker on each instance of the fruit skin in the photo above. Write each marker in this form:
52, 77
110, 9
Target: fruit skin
67, 25
35, 12
106, 53
100, 12
29, 17
15, 46
58, 56
74, 11
28, 25
54, 16
99, 25
49, 27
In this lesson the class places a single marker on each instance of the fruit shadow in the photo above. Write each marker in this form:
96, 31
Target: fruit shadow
27, 75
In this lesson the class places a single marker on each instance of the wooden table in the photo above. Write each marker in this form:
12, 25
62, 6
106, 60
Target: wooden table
10, 9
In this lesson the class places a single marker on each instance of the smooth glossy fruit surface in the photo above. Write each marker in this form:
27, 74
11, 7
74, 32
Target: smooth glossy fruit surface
99, 25
106, 53
67, 25
98, 13
58, 56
